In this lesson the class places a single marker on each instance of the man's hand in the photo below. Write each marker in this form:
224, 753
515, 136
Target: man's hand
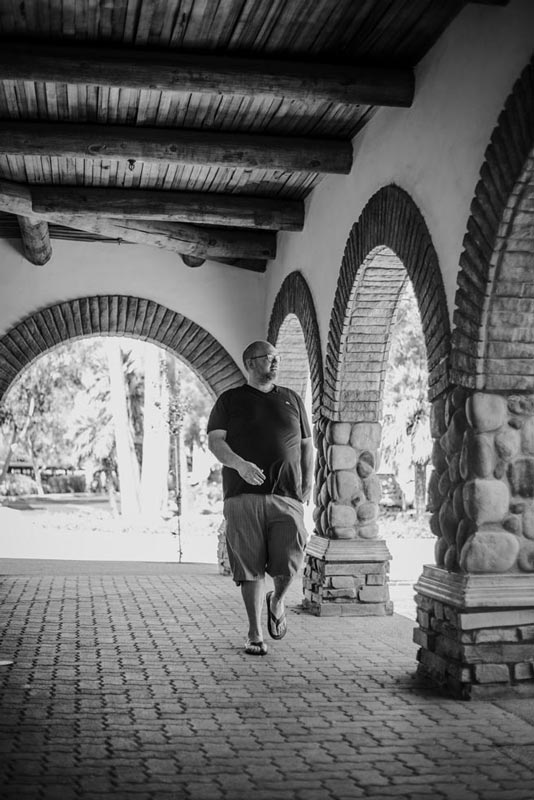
251, 473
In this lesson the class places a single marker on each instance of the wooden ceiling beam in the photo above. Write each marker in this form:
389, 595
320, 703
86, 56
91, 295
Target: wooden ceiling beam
183, 72
35, 240
180, 238
190, 207
244, 249
15, 198
208, 148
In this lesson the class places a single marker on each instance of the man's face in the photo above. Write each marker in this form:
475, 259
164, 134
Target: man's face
263, 366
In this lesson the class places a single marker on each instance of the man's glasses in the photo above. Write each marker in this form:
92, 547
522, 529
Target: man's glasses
270, 358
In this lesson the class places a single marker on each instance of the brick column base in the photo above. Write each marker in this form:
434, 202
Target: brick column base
476, 633
346, 577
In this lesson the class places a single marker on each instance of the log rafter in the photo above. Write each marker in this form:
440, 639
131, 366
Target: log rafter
132, 144
172, 71
245, 249
182, 239
179, 222
171, 206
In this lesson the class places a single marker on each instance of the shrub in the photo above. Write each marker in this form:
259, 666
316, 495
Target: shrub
64, 484
16, 485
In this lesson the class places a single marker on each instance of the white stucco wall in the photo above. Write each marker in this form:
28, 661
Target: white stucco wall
434, 151
223, 300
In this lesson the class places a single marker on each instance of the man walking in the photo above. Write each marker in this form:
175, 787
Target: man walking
261, 435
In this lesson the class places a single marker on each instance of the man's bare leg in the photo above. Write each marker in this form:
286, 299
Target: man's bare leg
281, 585
252, 593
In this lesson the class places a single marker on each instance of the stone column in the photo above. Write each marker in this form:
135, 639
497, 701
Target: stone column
347, 564
475, 608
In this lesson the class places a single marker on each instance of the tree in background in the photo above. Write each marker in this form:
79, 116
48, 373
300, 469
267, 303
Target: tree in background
177, 410
109, 406
156, 435
37, 406
406, 443
127, 462
8, 438
89, 428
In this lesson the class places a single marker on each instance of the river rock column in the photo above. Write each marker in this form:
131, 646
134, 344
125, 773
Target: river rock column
476, 606
346, 565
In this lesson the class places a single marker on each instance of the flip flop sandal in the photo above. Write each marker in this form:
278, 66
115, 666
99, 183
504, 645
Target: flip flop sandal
277, 625
255, 648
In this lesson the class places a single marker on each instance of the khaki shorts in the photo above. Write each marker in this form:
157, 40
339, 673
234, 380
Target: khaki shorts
264, 533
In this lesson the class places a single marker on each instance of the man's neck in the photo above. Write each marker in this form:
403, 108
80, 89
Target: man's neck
262, 387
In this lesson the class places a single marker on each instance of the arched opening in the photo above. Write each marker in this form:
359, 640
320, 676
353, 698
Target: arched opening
103, 456
294, 373
294, 330
294, 369
293, 322
179, 377
122, 316
405, 454
348, 561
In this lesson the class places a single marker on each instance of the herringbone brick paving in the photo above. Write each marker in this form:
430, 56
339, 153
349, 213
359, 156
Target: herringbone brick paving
129, 681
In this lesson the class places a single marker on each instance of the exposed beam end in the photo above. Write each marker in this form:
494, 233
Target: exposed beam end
193, 261
35, 240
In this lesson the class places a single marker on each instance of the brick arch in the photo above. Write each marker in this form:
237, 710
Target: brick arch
294, 302
117, 315
493, 337
389, 243
294, 370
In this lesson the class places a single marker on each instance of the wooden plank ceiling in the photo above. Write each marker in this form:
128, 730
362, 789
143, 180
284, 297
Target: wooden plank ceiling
195, 125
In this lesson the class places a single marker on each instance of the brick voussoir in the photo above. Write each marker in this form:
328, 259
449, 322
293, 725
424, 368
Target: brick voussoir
108, 315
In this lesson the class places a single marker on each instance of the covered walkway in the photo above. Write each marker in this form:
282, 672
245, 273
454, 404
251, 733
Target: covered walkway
200, 174
129, 680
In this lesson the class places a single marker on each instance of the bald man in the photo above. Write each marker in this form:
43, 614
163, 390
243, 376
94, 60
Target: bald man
261, 435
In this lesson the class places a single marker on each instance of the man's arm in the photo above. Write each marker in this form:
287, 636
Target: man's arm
306, 466
223, 452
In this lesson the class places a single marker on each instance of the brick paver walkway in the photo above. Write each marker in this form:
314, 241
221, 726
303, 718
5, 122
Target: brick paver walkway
129, 681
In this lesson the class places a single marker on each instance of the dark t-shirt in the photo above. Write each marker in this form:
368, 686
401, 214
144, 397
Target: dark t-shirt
266, 428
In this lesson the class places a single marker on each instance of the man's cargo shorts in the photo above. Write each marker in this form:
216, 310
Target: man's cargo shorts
264, 533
